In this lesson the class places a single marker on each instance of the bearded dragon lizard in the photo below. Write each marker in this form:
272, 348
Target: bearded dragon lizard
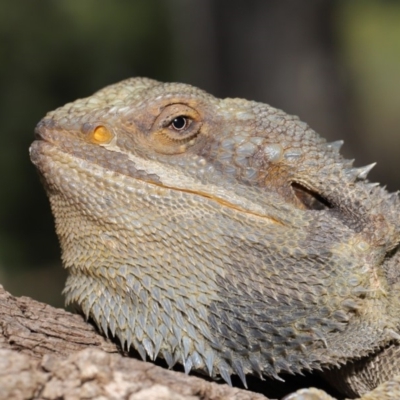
224, 235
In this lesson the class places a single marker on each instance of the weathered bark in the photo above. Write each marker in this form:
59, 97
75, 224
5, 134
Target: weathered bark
49, 353
37, 329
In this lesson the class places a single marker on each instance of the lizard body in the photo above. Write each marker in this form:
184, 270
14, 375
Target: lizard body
222, 234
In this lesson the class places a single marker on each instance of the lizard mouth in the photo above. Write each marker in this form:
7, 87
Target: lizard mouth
46, 151
48, 136
44, 129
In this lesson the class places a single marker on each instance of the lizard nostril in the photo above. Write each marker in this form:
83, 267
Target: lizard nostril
98, 134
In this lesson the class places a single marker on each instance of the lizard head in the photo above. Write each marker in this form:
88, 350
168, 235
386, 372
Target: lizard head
221, 233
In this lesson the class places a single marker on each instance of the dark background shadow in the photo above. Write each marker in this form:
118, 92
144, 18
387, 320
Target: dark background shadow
336, 64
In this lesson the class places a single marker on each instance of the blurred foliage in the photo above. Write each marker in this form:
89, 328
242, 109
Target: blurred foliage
369, 33
53, 52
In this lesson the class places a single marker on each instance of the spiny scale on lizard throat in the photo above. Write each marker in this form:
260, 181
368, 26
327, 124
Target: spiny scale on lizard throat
222, 234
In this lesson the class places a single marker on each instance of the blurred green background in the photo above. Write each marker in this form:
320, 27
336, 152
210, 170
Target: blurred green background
336, 64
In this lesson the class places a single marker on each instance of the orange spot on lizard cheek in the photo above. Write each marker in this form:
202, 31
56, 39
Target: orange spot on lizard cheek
100, 135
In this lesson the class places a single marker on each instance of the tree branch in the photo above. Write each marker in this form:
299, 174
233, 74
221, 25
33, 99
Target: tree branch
49, 353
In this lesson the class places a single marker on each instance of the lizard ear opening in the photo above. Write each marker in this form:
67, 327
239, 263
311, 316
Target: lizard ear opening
310, 199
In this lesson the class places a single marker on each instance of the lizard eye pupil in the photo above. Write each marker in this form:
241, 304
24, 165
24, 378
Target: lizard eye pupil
179, 123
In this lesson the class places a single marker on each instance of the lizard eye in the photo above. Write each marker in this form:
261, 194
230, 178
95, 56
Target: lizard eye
181, 128
180, 123
175, 129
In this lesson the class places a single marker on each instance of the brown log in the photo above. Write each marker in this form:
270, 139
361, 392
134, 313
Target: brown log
49, 353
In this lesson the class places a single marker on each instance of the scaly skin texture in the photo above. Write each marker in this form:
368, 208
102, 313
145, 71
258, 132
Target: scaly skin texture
222, 234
